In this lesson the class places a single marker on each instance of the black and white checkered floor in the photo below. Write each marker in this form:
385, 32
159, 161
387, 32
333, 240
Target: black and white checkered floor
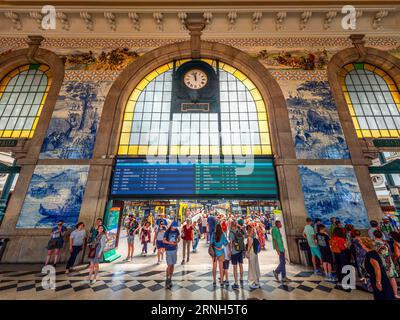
148, 283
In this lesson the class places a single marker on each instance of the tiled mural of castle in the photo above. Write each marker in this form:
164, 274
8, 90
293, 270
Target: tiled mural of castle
55, 192
316, 129
73, 127
333, 191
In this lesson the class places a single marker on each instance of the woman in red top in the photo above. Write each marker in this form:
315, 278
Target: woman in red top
187, 238
338, 247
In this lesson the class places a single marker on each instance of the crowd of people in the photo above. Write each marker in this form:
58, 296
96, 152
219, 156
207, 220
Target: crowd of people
375, 256
234, 238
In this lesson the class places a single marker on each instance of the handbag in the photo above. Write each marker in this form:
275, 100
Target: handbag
211, 251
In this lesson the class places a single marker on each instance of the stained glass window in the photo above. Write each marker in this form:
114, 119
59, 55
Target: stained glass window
23, 92
373, 100
241, 127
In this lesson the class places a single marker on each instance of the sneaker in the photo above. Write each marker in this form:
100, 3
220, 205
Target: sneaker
254, 286
214, 284
66, 271
126, 259
226, 283
235, 286
286, 279
187, 260
183, 262
241, 283
222, 284
318, 273
93, 281
85, 282
158, 262
276, 275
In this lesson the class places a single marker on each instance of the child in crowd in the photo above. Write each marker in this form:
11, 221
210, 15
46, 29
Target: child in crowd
227, 258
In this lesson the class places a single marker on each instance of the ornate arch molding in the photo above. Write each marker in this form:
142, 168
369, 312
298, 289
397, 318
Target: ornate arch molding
361, 150
111, 120
30, 148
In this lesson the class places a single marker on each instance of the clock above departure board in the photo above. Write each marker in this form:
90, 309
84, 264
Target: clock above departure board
195, 88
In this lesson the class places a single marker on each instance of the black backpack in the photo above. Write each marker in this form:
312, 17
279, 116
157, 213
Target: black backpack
238, 241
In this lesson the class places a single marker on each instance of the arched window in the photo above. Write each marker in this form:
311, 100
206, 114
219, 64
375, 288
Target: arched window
23, 92
241, 126
373, 100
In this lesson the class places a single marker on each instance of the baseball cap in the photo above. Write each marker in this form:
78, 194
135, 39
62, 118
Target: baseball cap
174, 224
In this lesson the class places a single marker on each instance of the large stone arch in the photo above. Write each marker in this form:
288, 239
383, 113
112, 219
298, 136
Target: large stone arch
361, 150
24, 244
97, 190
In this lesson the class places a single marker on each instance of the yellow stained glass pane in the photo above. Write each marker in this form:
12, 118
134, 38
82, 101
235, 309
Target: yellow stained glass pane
174, 150
247, 150
135, 95
204, 150
240, 75
392, 87
151, 75
130, 106
7, 133
163, 150
124, 139
375, 133
260, 105
264, 138
248, 84
385, 133
152, 150
347, 97
35, 123
266, 150
257, 150
43, 68
128, 116
393, 133
349, 67
142, 150
184, 150
13, 73
126, 126
366, 133
227, 150
351, 110
359, 134
228, 68
132, 150
163, 68
263, 126
262, 116
194, 150
255, 94
142, 84
123, 150
355, 122
1, 133
31, 133
214, 150
25, 134
396, 97
209, 61
369, 67
380, 72
236, 150
16, 134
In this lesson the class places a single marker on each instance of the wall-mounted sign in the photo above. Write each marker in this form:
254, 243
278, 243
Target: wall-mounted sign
8, 143
386, 143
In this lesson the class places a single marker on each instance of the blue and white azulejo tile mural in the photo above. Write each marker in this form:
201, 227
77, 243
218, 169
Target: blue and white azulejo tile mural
333, 191
54, 193
316, 129
73, 127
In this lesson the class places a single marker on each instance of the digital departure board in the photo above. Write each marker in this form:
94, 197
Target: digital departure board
138, 178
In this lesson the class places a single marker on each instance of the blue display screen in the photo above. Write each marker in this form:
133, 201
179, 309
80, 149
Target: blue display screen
136, 177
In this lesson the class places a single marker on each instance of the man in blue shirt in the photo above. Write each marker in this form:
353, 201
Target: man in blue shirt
210, 226
170, 241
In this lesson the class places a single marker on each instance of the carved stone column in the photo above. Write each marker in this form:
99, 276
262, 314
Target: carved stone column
195, 23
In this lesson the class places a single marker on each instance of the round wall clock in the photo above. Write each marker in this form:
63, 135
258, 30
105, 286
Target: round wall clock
195, 79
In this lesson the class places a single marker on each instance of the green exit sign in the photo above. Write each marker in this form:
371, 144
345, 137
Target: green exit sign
387, 143
7, 143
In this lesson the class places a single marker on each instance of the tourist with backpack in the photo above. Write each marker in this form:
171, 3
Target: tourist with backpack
277, 243
253, 248
170, 241
56, 242
236, 246
131, 229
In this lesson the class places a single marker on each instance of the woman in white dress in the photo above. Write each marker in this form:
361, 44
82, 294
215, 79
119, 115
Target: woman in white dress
254, 266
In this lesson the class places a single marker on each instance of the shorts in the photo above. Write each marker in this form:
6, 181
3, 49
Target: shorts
159, 244
237, 258
131, 239
55, 244
226, 264
315, 252
171, 257
204, 229
326, 256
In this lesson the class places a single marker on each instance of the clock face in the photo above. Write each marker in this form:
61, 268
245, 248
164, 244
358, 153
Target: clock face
195, 79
